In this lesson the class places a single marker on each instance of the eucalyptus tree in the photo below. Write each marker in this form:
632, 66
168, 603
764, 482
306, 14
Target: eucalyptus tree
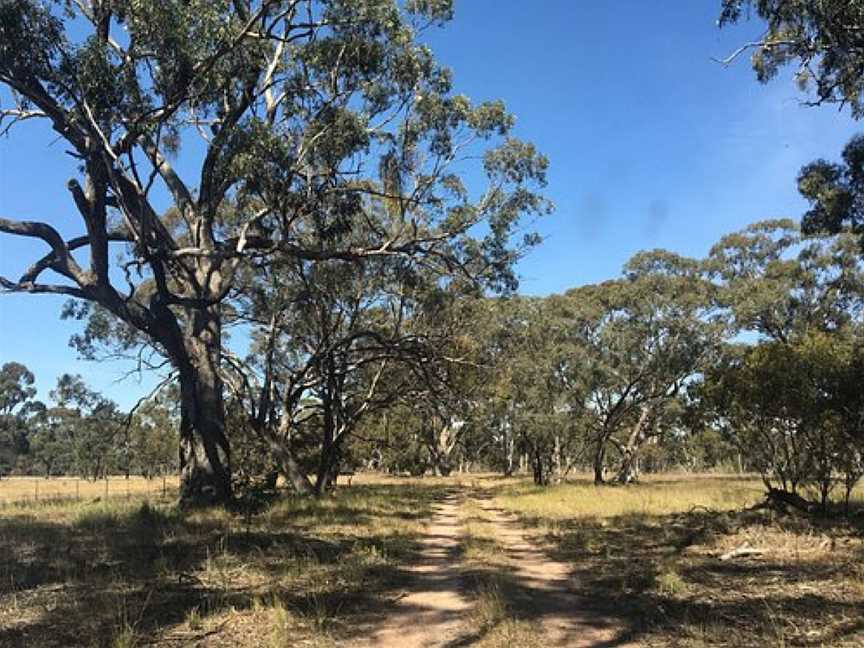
152, 437
295, 119
498, 325
331, 339
835, 193
527, 403
78, 433
451, 378
17, 404
782, 405
639, 340
787, 399
777, 284
92, 425
824, 39
338, 342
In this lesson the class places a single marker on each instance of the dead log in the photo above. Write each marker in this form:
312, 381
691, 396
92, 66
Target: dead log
783, 500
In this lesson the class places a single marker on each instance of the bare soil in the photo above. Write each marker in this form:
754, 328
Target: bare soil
432, 612
546, 590
435, 611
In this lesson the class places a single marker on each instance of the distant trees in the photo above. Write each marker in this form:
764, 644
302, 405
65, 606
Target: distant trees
644, 337
80, 433
522, 412
599, 370
749, 359
150, 438
17, 404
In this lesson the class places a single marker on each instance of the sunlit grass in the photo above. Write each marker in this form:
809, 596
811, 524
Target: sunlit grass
650, 554
30, 491
656, 496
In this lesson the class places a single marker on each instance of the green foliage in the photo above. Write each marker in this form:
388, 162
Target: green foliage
329, 145
822, 37
16, 405
780, 405
835, 192
82, 433
150, 437
785, 400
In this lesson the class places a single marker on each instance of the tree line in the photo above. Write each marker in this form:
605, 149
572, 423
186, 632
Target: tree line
750, 359
80, 432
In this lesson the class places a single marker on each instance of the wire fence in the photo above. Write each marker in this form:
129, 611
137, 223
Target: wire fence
28, 491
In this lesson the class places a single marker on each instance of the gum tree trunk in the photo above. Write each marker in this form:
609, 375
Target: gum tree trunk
441, 446
510, 454
599, 462
628, 472
205, 458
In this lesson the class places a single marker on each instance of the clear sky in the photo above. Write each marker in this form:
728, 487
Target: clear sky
651, 144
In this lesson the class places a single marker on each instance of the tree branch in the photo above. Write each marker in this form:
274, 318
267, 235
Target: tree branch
64, 263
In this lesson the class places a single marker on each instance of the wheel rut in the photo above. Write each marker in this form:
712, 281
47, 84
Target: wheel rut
435, 609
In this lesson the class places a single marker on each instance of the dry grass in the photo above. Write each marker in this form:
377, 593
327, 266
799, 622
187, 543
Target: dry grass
495, 625
128, 573
649, 554
479, 546
656, 495
27, 491
121, 572
488, 572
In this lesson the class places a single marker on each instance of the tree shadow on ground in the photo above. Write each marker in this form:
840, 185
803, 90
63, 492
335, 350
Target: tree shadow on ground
659, 578
145, 570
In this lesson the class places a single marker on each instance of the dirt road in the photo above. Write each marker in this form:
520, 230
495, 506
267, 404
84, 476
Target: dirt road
435, 610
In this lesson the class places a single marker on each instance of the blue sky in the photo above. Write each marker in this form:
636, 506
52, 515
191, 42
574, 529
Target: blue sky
651, 144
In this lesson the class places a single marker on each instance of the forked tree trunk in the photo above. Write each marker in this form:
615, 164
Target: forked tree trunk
279, 444
205, 458
628, 472
291, 468
599, 462
441, 448
328, 467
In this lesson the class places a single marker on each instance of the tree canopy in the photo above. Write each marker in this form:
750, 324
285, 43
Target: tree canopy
823, 38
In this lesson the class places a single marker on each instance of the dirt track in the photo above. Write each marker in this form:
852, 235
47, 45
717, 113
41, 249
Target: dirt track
435, 610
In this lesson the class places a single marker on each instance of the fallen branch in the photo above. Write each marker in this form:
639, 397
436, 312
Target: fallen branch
741, 551
782, 500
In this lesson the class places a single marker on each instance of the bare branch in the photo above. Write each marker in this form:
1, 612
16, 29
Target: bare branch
763, 44
64, 263
12, 287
